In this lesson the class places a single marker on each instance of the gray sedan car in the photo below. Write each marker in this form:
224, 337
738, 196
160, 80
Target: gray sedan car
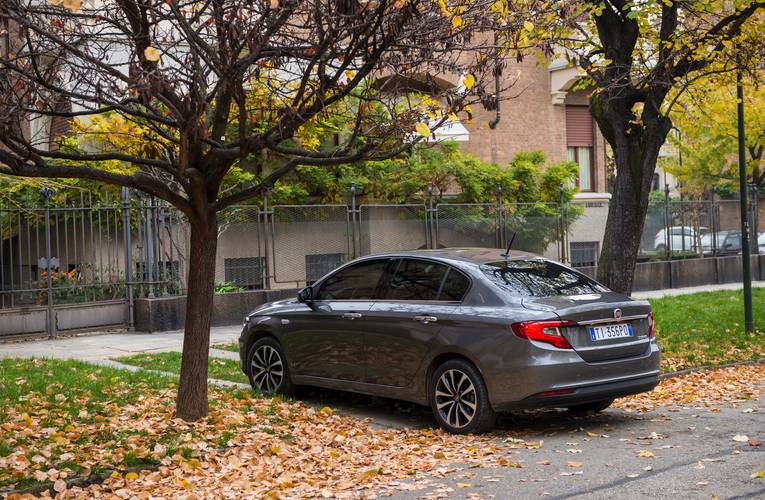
467, 331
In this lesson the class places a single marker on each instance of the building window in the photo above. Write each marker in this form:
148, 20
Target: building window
317, 265
580, 141
244, 271
582, 156
584, 253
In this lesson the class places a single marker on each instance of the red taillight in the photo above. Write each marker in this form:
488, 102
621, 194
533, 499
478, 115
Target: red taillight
651, 326
544, 331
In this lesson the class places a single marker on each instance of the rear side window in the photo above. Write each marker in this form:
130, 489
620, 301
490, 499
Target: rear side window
539, 278
415, 280
355, 282
455, 286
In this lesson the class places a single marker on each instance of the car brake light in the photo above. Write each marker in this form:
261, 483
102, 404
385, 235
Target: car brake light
651, 326
544, 331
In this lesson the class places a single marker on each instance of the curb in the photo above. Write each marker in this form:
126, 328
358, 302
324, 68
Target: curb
680, 373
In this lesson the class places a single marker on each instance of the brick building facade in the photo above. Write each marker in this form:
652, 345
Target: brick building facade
541, 111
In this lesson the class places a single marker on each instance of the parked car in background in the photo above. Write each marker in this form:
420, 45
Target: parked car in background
467, 331
682, 239
761, 243
721, 243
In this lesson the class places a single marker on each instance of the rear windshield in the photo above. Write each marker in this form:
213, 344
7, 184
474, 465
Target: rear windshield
539, 278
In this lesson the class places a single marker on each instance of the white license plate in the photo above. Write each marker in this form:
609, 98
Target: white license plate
610, 332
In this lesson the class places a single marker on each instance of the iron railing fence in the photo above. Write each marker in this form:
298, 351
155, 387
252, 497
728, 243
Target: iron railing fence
81, 250
65, 254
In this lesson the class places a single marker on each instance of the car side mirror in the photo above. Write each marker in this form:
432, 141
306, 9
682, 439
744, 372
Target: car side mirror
305, 295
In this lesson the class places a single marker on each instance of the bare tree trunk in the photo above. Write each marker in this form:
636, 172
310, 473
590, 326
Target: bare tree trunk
191, 403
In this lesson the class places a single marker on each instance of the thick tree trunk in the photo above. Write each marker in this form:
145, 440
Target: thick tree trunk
191, 403
636, 151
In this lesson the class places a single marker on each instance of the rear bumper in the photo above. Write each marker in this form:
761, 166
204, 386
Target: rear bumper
518, 383
589, 394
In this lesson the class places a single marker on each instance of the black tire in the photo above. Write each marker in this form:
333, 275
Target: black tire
267, 354
595, 406
453, 415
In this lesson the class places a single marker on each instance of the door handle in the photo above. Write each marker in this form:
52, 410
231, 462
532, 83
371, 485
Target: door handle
352, 316
426, 319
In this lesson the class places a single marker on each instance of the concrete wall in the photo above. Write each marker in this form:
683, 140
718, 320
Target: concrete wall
32, 320
690, 272
168, 313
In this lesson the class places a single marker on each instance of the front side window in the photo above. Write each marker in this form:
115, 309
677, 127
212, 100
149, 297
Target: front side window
355, 282
415, 280
539, 278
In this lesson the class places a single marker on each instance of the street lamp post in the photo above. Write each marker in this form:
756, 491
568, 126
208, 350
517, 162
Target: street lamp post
743, 188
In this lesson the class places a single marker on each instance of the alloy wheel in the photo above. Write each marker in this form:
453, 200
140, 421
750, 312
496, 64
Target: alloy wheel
267, 369
456, 398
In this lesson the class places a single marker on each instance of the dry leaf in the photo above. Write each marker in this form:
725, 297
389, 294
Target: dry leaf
59, 486
645, 454
151, 54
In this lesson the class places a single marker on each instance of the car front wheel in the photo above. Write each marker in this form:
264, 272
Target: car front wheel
267, 368
459, 398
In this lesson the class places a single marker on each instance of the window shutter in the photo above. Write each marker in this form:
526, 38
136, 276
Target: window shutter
579, 126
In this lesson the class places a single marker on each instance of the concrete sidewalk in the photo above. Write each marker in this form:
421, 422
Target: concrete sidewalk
652, 294
93, 347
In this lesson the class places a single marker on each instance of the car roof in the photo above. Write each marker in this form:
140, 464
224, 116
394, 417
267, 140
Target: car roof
467, 254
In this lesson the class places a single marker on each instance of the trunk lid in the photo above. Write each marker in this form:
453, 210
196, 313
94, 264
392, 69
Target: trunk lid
594, 311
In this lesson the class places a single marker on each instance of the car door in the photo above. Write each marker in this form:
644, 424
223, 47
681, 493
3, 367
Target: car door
415, 300
326, 339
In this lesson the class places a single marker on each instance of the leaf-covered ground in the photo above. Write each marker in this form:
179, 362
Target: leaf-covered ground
707, 328
62, 419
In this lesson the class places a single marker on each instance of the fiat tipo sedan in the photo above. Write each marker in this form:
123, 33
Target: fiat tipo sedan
468, 331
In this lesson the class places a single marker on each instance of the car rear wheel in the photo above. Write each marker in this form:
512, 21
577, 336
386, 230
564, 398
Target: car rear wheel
459, 398
267, 368
596, 406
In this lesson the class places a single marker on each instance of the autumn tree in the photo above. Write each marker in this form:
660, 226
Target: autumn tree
212, 87
638, 55
707, 138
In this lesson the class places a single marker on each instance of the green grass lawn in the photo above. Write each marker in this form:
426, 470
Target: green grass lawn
708, 328
223, 369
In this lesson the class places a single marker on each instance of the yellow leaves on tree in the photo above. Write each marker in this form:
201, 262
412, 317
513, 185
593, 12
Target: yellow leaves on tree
422, 129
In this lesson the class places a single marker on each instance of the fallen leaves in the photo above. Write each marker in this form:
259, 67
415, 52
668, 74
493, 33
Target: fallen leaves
757, 475
741, 438
645, 454
705, 388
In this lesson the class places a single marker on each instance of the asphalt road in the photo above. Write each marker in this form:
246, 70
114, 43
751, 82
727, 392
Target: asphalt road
694, 456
